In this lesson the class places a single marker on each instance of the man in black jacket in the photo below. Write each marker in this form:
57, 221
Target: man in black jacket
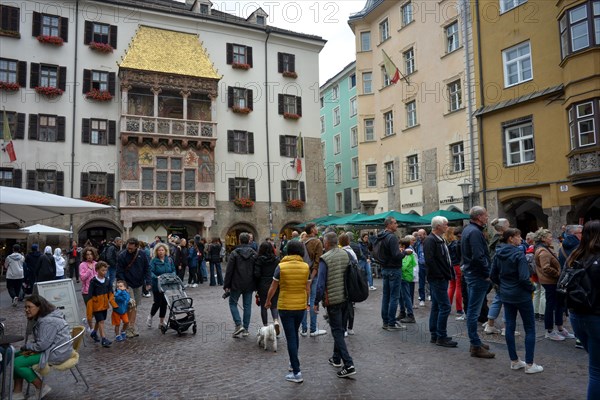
239, 280
439, 272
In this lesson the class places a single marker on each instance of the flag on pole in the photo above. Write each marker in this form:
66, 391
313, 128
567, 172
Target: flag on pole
391, 70
299, 151
8, 144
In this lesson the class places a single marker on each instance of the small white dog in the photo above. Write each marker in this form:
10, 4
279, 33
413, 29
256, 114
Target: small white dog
266, 335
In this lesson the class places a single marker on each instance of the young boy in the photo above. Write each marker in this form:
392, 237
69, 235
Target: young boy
409, 262
120, 313
101, 296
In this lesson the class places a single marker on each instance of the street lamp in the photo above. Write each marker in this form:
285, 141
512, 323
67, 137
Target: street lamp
466, 194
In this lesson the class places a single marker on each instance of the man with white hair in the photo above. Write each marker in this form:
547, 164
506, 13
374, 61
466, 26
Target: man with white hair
439, 273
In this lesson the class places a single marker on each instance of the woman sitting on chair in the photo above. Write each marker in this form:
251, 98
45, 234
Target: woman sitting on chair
49, 330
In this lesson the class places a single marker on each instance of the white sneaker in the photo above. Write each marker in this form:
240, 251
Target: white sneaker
346, 334
517, 333
45, 390
15, 301
490, 330
461, 318
351, 332
195, 285
566, 334
517, 365
318, 332
372, 288
421, 303
428, 298
533, 369
554, 336
149, 321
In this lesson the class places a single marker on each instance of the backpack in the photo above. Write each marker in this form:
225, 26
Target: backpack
530, 263
355, 282
104, 254
574, 287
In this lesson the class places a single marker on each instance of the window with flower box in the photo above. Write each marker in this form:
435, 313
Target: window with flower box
240, 100
47, 181
102, 81
286, 64
242, 188
46, 128
290, 106
240, 142
239, 56
10, 18
11, 177
97, 183
44, 75
98, 131
13, 72
50, 25
288, 146
293, 190
16, 124
580, 28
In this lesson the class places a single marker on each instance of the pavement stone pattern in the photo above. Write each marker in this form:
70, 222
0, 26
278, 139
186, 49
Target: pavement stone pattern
390, 365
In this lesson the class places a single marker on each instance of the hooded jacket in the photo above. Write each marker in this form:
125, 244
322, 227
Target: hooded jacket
60, 262
49, 332
45, 269
14, 266
511, 272
437, 258
569, 244
239, 276
264, 268
386, 250
475, 252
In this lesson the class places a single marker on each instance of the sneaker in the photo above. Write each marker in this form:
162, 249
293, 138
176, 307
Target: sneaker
566, 334
94, 335
238, 330
384, 326
421, 303
346, 372
15, 301
446, 342
520, 364
147, 295
372, 288
351, 332
578, 344
149, 321
460, 312
120, 338
334, 363
461, 318
533, 369
106, 342
428, 298
18, 396
408, 320
346, 334
245, 333
304, 332
503, 333
130, 333
490, 330
554, 335
396, 327
318, 332
296, 378
45, 390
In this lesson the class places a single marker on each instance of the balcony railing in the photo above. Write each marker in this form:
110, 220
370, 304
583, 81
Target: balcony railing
168, 126
166, 199
584, 167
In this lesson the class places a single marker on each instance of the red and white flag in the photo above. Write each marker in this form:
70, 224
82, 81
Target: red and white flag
8, 146
391, 70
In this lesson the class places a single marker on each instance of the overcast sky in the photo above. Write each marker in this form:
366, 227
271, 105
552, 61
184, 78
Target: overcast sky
328, 19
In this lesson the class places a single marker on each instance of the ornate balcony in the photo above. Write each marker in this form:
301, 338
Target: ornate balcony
584, 166
167, 128
166, 199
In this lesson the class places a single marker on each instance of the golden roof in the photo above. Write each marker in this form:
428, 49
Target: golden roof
161, 50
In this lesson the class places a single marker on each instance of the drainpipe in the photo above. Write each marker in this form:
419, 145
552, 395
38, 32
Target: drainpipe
74, 119
466, 19
268, 30
481, 96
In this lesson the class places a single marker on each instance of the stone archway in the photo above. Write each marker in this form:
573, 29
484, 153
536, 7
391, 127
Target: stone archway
288, 228
97, 230
233, 233
525, 213
584, 209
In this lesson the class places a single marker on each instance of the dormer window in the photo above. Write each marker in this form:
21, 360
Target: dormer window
260, 20
204, 8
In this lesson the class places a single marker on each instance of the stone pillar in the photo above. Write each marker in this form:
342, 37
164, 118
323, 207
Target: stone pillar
156, 91
185, 94
125, 99
429, 179
213, 108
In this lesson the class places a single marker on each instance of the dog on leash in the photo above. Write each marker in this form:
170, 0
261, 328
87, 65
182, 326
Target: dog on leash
266, 335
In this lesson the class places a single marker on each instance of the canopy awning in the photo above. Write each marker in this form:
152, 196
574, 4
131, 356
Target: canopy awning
449, 215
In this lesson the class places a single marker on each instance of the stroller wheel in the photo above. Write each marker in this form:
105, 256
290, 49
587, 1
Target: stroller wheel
194, 329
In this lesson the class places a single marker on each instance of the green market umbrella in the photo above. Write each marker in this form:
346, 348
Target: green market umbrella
450, 215
403, 219
350, 219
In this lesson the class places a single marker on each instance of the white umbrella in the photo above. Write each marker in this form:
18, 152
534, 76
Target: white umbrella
39, 228
21, 205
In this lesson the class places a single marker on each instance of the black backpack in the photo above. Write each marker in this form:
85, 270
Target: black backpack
574, 287
355, 282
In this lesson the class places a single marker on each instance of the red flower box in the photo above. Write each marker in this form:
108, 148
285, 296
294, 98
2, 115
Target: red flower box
243, 202
291, 116
101, 47
9, 87
99, 95
48, 91
9, 33
241, 110
240, 66
54, 40
290, 74
98, 198
294, 204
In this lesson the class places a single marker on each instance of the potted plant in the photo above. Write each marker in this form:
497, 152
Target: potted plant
9, 87
98, 198
243, 202
49, 91
98, 95
291, 116
101, 47
294, 205
240, 110
240, 66
53, 40
290, 74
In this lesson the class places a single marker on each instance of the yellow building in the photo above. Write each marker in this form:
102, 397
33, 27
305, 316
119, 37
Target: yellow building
538, 88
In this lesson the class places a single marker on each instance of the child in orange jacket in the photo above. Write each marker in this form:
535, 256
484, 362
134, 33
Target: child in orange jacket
100, 297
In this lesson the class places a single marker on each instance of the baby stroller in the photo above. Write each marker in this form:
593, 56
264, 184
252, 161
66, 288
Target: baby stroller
181, 312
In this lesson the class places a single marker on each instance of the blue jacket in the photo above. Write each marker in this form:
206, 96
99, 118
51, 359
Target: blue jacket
158, 267
389, 255
475, 252
122, 298
569, 244
511, 272
135, 272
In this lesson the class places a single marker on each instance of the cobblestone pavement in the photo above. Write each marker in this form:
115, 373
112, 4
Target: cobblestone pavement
390, 365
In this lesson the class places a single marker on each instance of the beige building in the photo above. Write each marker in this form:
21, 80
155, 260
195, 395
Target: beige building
417, 144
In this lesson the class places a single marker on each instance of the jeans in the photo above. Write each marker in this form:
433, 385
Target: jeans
290, 319
510, 316
247, 304
494, 310
193, 275
392, 279
440, 308
311, 301
422, 281
112, 276
366, 266
539, 299
217, 266
407, 295
454, 288
336, 317
203, 272
14, 288
587, 329
477, 288
554, 310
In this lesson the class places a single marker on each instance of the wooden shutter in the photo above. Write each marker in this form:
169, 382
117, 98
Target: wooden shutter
250, 142
230, 96
282, 146
292, 62
302, 191
18, 178
88, 32
112, 132
87, 81
112, 36
230, 138
231, 189
85, 183
249, 55
110, 185
60, 183
229, 52
85, 130
22, 73
252, 189
33, 127
299, 105
34, 77
60, 129
64, 28
280, 62
111, 83
347, 200
250, 99
37, 23
302, 149
280, 103
283, 191
62, 78
20, 132
31, 179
